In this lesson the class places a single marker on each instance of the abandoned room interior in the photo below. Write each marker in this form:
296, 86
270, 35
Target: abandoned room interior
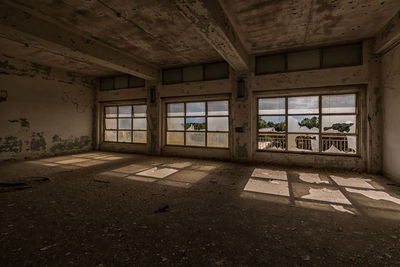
199, 132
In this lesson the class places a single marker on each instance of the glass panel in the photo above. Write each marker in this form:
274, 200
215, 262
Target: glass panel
342, 55
303, 105
303, 124
121, 82
270, 63
195, 139
217, 139
215, 71
107, 84
339, 103
193, 73
196, 109
172, 76
339, 124
124, 136
196, 124
218, 124
175, 138
140, 124
271, 141
139, 110
110, 136
124, 124
271, 123
217, 108
111, 112
339, 144
136, 82
139, 136
176, 124
111, 123
308, 59
177, 109
125, 111
268, 106
303, 142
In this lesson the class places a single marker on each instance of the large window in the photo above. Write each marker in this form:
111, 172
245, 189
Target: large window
318, 123
125, 124
201, 124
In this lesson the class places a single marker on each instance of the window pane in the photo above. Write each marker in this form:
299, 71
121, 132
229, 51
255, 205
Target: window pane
271, 123
215, 71
111, 112
196, 109
195, 139
196, 124
339, 124
344, 55
124, 124
217, 108
124, 136
303, 105
107, 84
308, 59
177, 109
193, 73
111, 123
217, 139
175, 138
121, 82
339, 144
303, 124
271, 142
139, 124
139, 136
339, 103
139, 110
270, 63
218, 124
176, 124
303, 142
110, 136
172, 76
271, 106
125, 111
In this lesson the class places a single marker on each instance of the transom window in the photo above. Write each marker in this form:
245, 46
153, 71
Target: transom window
125, 124
201, 124
318, 123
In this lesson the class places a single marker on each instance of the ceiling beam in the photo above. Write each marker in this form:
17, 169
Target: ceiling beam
389, 36
213, 24
16, 24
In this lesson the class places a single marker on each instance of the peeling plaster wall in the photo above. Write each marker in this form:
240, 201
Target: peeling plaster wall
43, 111
391, 112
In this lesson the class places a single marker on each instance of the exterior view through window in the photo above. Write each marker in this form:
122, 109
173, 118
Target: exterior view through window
125, 124
319, 124
201, 124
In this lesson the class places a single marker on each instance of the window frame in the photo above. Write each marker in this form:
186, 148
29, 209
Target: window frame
320, 133
206, 116
132, 117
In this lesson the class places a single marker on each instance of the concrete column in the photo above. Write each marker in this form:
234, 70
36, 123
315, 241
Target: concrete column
374, 109
154, 118
241, 119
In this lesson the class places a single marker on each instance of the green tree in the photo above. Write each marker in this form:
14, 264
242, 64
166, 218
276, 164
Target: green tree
310, 123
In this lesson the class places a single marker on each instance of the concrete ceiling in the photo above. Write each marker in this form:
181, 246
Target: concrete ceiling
271, 25
157, 33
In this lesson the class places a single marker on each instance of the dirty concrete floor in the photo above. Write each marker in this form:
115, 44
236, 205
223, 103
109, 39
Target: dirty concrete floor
106, 209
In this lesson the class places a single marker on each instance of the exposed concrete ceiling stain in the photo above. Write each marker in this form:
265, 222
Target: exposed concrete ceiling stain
271, 25
155, 32
152, 31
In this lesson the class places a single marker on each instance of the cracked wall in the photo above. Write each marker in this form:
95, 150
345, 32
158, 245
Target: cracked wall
44, 111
